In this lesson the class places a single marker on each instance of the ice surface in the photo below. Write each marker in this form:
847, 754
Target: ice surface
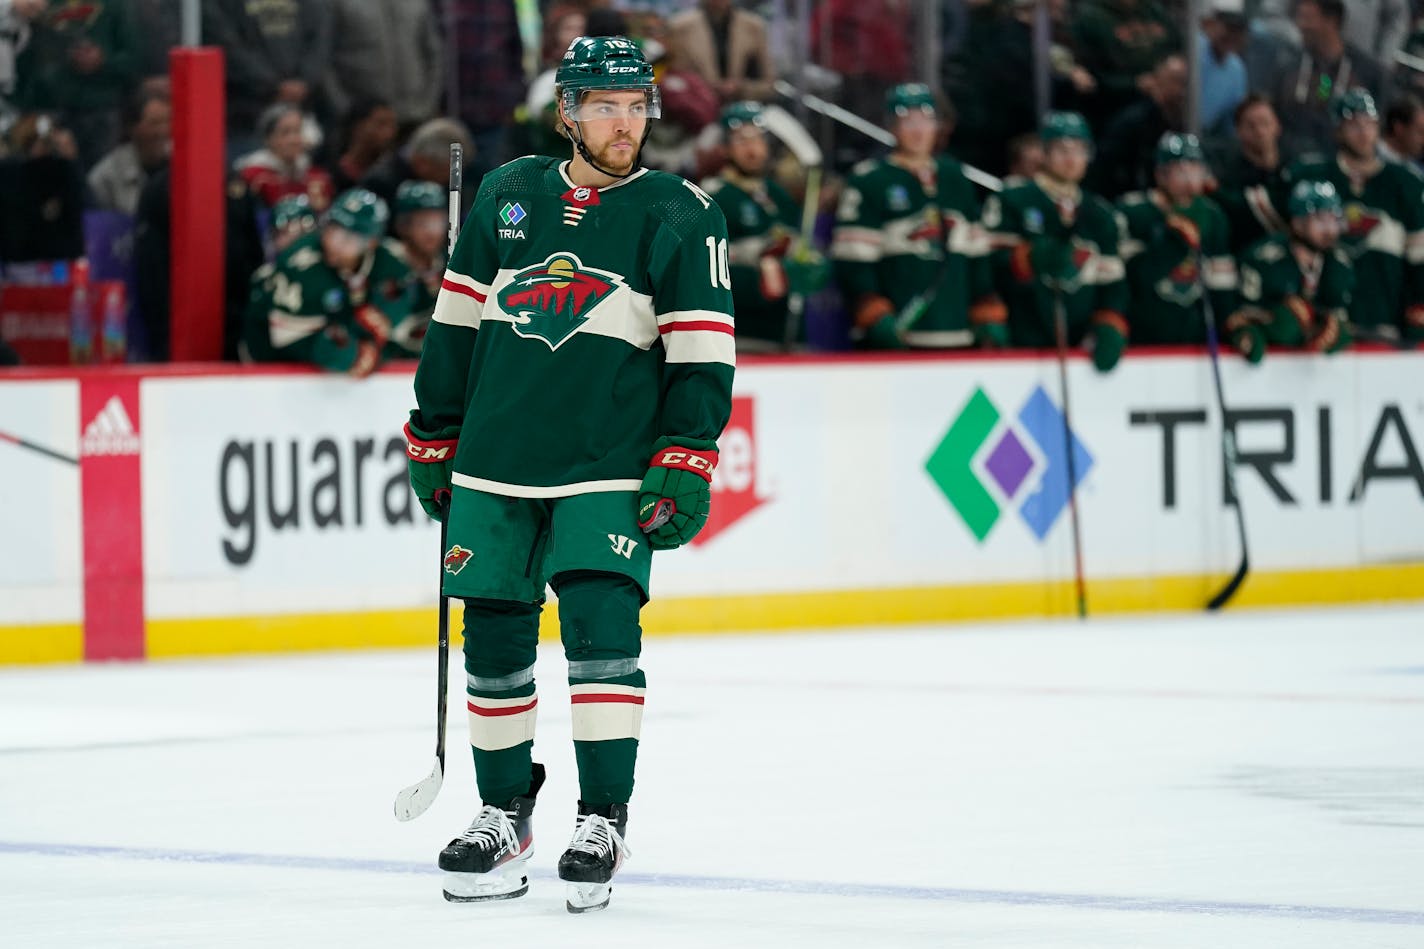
1253, 779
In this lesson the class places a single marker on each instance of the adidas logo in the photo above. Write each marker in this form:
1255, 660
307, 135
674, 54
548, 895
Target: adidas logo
111, 432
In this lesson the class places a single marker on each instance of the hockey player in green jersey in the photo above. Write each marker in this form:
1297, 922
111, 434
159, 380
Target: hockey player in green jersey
1051, 240
1384, 219
762, 227
331, 297
291, 218
422, 222
1296, 287
575, 378
909, 253
1175, 248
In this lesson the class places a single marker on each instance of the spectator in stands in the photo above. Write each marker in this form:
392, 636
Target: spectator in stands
1404, 132
1379, 27
16, 24
1121, 42
157, 24
1025, 158
487, 81
41, 192
1250, 177
690, 109
368, 138
276, 51
727, 47
869, 46
537, 118
1304, 83
1223, 74
116, 182
81, 62
283, 166
1127, 158
426, 157
389, 50
991, 89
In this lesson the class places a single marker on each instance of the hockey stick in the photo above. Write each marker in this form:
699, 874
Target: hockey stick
1228, 449
416, 799
40, 449
803, 147
1060, 334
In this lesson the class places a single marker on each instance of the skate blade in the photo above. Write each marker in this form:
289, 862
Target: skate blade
484, 887
587, 897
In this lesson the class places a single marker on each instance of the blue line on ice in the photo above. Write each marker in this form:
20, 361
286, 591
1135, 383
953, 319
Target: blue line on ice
1132, 904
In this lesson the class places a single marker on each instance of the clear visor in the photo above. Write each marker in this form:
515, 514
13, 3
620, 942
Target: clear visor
586, 105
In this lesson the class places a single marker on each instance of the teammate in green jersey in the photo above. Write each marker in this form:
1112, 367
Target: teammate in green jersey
1175, 247
910, 255
1296, 288
763, 223
1384, 219
575, 378
422, 222
332, 296
291, 218
1054, 244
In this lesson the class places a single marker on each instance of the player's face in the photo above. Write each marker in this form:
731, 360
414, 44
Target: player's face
1320, 231
1066, 159
915, 133
612, 124
1359, 135
343, 249
424, 231
747, 149
1182, 180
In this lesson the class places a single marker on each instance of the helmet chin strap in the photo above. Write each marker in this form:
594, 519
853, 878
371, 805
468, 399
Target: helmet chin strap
588, 156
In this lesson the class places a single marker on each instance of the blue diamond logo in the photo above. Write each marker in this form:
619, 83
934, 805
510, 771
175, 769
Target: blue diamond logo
512, 213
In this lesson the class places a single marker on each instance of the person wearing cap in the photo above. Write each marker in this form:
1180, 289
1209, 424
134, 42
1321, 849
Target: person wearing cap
1176, 249
422, 228
1223, 73
763, 227
1055, 244
331, 297
1384, 218
1296, 287
910, 254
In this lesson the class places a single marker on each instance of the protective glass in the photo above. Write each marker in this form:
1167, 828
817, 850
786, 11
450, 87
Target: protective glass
586, 105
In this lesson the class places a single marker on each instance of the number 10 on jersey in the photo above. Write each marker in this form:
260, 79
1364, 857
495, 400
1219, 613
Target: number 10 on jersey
718, 273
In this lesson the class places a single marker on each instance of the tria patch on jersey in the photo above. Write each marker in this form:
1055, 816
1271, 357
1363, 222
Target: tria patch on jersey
550, 301
511, 216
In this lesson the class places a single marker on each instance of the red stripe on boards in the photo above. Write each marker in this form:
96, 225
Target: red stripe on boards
704, 325
585, 699
461, 288
496, 712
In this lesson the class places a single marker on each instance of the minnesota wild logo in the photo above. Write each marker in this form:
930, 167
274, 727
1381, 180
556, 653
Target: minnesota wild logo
550, 301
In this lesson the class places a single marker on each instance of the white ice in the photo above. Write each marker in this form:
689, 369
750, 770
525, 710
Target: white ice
1246, 780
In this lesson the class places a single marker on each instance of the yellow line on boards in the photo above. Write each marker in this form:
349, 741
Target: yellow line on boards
741, 613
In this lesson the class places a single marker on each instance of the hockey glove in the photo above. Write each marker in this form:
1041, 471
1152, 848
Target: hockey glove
1250, 341
1047, 258
807, 273
989, 319
1332, 336
1109, 339
1414, 322
875, 320
431, 460
676, 495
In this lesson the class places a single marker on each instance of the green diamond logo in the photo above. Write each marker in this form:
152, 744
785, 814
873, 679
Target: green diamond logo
949, 465
512, 213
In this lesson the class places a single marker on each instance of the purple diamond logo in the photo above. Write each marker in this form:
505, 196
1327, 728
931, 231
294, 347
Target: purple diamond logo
1009, 464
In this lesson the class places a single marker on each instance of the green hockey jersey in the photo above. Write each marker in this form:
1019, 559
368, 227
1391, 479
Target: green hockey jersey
898, 235
575, 326
1250, 196
1384, 237
301, 310
1166, 277
1027, 225
1274, 285
408, 335
761, 220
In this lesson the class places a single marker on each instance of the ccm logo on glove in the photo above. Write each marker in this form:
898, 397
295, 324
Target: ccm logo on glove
697, 463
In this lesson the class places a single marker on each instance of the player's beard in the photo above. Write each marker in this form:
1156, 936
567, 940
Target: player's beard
621, 163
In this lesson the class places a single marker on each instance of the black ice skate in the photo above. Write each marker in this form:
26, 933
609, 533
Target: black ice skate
487, 861
594, 856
